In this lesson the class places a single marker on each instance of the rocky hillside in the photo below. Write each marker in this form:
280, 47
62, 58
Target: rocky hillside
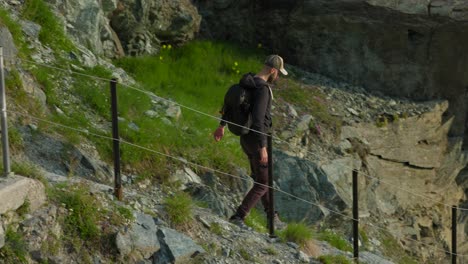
411, 166
409, 54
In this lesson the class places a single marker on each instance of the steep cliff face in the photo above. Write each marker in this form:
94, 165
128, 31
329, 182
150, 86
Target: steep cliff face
456, 9
411, 55
410, 168
407, 170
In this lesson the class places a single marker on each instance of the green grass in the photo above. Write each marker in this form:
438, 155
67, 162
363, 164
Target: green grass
24, 208
88, 223
298, 233
216, 229
83, 214
246, 255
257, 221
364, 237
271, 251
196, 75
15, 140
16, 32
179, 208
335, 240
29, 170
15, 249
95, 94
52, 33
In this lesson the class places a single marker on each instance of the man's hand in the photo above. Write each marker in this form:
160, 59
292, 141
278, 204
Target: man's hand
263, 156
219, 133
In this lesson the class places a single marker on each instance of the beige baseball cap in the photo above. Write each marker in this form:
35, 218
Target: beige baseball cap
276, 62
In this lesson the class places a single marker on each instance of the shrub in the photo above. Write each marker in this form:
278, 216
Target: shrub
179, 208
27, 169
271, 251
15, 249
15, 139
83, 214
24, 208
298, 233
246, 255
216, 229
257, 221
335, 240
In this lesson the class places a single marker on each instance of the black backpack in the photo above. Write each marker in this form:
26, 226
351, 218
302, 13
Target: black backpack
237, 109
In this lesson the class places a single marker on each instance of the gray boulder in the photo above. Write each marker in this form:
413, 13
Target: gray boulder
31, 29
140, 238
305, 179
87, 22
175, 247
59, 157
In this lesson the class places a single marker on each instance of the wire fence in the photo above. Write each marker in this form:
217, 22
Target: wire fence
182, 160
277, 139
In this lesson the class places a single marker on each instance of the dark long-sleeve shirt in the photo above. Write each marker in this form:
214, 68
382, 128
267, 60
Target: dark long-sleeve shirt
260, 105
261, 111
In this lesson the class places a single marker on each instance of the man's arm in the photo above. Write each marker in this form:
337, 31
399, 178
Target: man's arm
259, 109
219, 132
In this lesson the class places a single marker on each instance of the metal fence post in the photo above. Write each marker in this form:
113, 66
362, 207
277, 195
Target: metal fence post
355, 217
116, 141
4, 124
271, 210
454, 234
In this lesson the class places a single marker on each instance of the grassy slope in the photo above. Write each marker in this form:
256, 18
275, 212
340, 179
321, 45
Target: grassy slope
197, 76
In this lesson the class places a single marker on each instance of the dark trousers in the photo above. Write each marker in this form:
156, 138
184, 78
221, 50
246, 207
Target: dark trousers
259, 174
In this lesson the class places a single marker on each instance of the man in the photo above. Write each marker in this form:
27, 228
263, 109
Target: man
254, 144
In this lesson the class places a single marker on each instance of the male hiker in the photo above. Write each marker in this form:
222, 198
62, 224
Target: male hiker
254, 144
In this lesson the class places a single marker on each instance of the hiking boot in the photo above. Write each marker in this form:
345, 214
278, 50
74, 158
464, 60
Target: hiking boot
238, 221
279, 225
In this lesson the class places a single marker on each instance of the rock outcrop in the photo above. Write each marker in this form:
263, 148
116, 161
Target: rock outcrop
113, 28
144, 26
406, 167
